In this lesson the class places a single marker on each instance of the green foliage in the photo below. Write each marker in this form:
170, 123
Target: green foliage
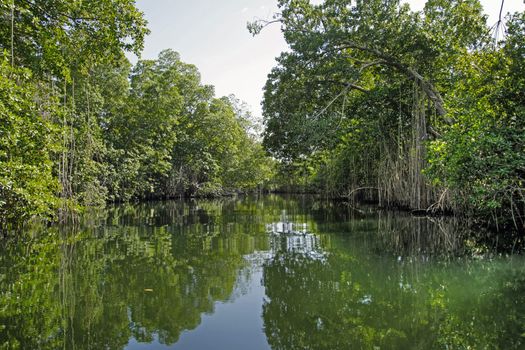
61, 37
482, 157
422, 106
27, 139
81, 127
172, 137
62, 43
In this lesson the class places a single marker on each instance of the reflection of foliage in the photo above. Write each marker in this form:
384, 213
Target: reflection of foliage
137, 279
334, 305
30, 308
491, 318
356, 279
361, 301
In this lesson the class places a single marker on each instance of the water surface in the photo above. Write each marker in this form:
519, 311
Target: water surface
258, 273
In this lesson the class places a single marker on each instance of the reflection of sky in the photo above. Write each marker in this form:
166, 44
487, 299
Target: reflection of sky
288, 235
222, 329
361, 278
286, 228
237, 323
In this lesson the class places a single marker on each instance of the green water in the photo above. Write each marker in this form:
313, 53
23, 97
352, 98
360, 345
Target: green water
267, 273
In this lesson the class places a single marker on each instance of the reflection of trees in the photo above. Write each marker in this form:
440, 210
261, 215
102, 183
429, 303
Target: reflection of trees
152, 271
394, 281
492, 317
336, 278
333, 303
420, 236
29, 309
350, 299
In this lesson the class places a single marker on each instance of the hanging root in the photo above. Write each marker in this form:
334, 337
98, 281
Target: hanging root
352, 192
441, 204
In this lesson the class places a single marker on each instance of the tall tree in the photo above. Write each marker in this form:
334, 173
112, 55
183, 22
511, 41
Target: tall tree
368, 86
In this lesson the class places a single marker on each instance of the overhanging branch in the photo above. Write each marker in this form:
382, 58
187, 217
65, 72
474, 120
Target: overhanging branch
385, 59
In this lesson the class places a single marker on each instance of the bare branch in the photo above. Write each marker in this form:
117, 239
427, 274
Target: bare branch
259, 24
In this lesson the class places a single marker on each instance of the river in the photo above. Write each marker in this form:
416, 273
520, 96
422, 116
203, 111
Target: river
272, 272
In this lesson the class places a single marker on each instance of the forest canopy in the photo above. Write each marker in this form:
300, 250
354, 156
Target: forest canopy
423, 110
416, 109
79, 125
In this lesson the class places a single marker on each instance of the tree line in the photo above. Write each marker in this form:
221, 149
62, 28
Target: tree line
422, 110
79, 125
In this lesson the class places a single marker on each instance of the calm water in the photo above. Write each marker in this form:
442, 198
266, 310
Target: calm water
273, 273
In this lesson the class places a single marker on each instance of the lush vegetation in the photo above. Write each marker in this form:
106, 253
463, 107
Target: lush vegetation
80, 126
423, 110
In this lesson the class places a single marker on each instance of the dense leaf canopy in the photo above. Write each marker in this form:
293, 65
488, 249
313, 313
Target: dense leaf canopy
81, 126
421, 109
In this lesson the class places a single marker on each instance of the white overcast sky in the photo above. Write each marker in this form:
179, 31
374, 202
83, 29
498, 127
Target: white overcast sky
212, 35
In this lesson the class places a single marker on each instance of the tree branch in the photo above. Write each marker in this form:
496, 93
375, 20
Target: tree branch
388, 60
345, 84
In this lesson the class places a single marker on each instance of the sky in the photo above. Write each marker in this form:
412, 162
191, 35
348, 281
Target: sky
212, 35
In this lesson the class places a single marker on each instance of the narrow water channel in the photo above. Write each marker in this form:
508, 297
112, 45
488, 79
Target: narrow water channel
258, 273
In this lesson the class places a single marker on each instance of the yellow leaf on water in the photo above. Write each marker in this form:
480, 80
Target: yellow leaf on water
148, 290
